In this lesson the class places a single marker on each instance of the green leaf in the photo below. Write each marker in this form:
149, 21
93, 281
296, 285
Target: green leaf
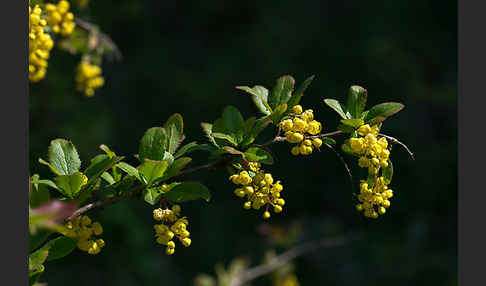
345, 128
108, 178
297, 96
152, 170
174, 130
233, 120
260, 125
34, 275
129, 169
259, 97
249, 123
380, 112
107, 150
364, 114
153, 144
185, 149
288, 88
232, 150
153, 195
354, 123
278, 113
202, 147
36, 239
226, 137
282, 91
188, 191
175, 167
123, 186
54, 170
70, 184
168, 157
60, 247
37, 258
48, 183
64, 157
387, 172
208, 130
356, 100
259, 155
371, 180
337, 106
328, 140
100, 164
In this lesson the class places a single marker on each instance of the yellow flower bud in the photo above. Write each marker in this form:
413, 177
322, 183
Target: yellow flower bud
317, 142
386, 203
356, 145
297, 109
239, 192
97, 229
186, 242
299, 124
247, 205
295, 150
169, 251
101, 242
268, 178
249, 190
266, 215
171, 244
277, 209
363, 130
286, 125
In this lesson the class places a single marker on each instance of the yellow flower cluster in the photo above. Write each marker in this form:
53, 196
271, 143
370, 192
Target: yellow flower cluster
259, 188
59, 18
88, 78
82, 229
374, 153
300, 129
374, 201
172, 225
40, 44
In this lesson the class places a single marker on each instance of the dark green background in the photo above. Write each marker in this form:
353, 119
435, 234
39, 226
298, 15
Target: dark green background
187, 56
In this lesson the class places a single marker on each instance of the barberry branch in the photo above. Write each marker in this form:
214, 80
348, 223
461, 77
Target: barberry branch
279, 138
288, 255
221, 163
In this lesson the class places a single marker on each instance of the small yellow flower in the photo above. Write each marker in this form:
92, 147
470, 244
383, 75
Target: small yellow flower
317, 142
297, 109
266, 215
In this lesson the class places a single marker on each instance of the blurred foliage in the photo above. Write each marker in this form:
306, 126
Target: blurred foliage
187, 57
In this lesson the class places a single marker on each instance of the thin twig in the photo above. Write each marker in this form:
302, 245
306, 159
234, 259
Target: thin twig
287, 256
105, 38
396, 141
